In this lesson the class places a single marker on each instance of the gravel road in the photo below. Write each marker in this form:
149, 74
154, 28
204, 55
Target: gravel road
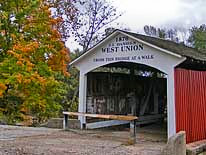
43, 141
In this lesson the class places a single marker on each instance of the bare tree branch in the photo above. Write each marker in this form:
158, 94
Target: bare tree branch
84, 19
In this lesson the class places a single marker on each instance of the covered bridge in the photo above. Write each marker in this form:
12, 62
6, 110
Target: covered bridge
133, 74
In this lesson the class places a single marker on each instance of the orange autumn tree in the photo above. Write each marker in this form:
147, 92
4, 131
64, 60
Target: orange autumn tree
30, 67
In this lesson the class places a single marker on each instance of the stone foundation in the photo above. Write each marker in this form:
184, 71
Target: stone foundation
58, 123
176, 145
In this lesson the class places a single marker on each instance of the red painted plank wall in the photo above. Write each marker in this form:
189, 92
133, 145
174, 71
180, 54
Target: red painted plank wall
190, 103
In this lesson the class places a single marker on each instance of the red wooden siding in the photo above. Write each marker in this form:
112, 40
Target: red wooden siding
190, 103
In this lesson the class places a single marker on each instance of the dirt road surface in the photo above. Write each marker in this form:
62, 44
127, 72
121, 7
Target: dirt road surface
43, 141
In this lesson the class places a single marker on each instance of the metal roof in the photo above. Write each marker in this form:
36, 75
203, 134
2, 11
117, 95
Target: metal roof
171, 46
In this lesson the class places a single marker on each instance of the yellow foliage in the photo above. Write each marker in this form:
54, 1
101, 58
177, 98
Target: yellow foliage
3, 87
24, 109
27, 81
56, 35
26, 48
59, 61
19, 78
19, 63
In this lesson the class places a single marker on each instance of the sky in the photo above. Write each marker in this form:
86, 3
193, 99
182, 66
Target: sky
160, 13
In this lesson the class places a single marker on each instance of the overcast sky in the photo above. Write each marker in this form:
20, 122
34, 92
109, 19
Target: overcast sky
159, 13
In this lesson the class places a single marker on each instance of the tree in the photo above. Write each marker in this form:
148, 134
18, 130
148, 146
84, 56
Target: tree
66, 10
10, 13
34, 57
162, 33
89, 19
198, 37
170, 34
151, 30
176, 34
72, 99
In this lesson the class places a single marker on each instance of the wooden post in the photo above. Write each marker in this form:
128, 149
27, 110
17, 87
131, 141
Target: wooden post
171, 120
133, 131
134, 105
146, 101
156, 102
82, 97
84, 126
65, 122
